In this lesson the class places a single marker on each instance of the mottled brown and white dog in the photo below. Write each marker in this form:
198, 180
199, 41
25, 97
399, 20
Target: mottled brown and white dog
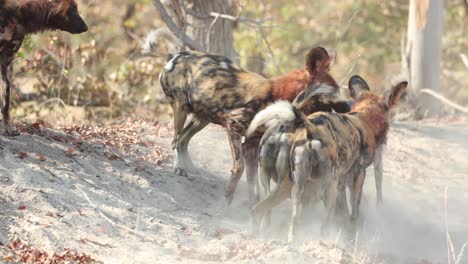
215, 90
329, 151
18, 18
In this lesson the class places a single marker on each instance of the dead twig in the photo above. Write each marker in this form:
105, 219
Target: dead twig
98, 243
347, 26
112, 222
450, 247
349, 71
138, 234
208, 34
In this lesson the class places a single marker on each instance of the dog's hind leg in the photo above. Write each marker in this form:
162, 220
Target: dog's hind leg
378, 172
193, 127
6, 78
235, 141
279, 194
331, 197
250, 152
268, 155
180, 116
301, 172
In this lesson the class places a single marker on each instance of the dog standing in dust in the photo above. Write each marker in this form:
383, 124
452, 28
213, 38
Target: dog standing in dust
329, 151
18, 18
215, 90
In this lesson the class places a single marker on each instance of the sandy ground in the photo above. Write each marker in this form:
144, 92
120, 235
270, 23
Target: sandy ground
120, 211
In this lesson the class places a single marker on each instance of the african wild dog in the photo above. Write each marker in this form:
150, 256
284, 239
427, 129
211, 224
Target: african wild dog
276, 142
329, 151
215, 90
19, 18
275, 147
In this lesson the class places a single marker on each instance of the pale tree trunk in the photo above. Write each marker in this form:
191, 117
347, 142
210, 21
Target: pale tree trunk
424, 47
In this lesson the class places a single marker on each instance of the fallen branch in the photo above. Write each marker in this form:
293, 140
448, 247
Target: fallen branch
141, 235
444, 100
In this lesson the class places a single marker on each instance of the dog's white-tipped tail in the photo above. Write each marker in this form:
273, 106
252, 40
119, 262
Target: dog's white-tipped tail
161, 37
273, 115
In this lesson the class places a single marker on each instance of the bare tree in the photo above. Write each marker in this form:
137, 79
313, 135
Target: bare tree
204, 25
424, 51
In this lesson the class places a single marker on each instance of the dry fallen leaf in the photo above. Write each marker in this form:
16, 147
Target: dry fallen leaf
8, 258
71, 150
36, 125
28, 254
22, 207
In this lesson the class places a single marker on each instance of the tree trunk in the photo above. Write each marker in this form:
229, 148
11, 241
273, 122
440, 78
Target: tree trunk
425, 30
214, 34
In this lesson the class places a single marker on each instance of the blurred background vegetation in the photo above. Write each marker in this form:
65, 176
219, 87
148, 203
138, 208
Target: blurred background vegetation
100, 76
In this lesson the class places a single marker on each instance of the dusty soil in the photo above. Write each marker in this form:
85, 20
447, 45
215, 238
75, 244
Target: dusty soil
120, 208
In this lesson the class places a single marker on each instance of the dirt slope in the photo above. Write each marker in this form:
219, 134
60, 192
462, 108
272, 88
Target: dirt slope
118, 208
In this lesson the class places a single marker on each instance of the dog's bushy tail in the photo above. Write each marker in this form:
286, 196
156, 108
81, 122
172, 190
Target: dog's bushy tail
272, 116
161, 42
289, 114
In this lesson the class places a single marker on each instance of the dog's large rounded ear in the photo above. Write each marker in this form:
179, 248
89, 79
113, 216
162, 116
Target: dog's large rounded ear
356, 86
318, 61
393, 95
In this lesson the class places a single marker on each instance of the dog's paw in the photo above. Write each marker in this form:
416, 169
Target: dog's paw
180, 172
292, 238
228, 198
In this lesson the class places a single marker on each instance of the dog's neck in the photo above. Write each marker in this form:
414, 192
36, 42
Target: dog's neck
373, 115
33, 15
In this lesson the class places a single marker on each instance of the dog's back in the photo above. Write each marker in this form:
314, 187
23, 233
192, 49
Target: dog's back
212, 86
337, 140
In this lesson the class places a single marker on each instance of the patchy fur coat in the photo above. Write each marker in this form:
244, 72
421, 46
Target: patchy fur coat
19, 18
329, 151
215, 90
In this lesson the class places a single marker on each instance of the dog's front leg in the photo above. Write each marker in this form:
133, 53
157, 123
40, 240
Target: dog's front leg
6, 77
301, 172
180, 115
332, 191
378, 172
235, 141
184, 162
